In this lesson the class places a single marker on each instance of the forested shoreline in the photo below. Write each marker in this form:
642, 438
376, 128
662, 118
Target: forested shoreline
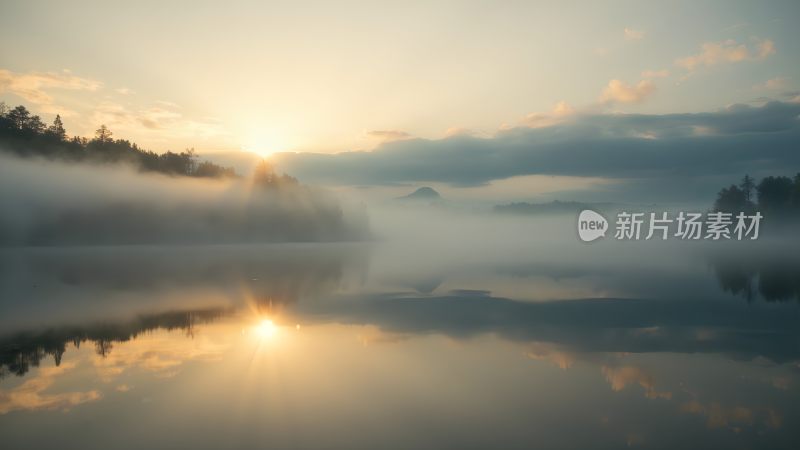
62, 190
776, 196
25, 134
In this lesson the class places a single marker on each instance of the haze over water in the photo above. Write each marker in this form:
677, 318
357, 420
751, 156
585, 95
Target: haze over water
472, 339
366, 225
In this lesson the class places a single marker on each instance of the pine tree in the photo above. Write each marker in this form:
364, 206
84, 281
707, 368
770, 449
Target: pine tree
103, 134
19, 117
57, 129
747, 185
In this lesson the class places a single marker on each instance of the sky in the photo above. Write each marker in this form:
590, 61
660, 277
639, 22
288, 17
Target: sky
331, 77
335, 76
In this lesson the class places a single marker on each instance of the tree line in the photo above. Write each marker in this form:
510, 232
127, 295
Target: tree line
25, 134
21, 351
776, 196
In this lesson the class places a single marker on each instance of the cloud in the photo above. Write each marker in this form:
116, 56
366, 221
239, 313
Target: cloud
156, 352
619, 377
619, 92
460, 131
157, 117
773, 84
563, 108
32, 394
733, 140
561, 111
713, 53
34, 86
633, 35
663, 73
544, 352
765, 48
389, 135
162, 118
604, 325
720, 416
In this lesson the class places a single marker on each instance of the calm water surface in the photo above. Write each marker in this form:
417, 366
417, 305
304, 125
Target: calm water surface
475, 343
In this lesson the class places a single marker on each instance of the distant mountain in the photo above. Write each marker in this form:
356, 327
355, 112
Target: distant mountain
424, 193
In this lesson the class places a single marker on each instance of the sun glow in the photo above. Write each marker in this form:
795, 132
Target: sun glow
266, 329
264, 143
260, 151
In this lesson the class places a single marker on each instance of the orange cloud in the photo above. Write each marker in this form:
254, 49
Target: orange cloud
713, 53
773, 84
389, 135
163, 118
157, 352
33, 86
544, 352
719, 416
619, 92
31, 394
619, 377
561, 111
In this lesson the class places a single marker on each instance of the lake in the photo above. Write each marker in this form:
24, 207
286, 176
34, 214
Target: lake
437, 334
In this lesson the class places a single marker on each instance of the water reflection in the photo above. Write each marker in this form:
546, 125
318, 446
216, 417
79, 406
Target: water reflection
589, 325
773, 277
32, 395
21, 351
47, 286
253, 347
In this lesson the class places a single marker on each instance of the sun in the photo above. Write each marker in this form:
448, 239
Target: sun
266, 328
264, 143
259, 151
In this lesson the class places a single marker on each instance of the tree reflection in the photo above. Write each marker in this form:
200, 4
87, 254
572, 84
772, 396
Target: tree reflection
773, 280
21, 351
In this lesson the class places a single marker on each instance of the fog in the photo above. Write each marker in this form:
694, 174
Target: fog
427, 249
51, 203
57, 286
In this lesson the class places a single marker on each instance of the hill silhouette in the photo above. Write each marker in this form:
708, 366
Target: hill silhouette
424, 193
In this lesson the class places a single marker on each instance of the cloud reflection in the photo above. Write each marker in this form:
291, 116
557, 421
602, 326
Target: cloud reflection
32, 395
